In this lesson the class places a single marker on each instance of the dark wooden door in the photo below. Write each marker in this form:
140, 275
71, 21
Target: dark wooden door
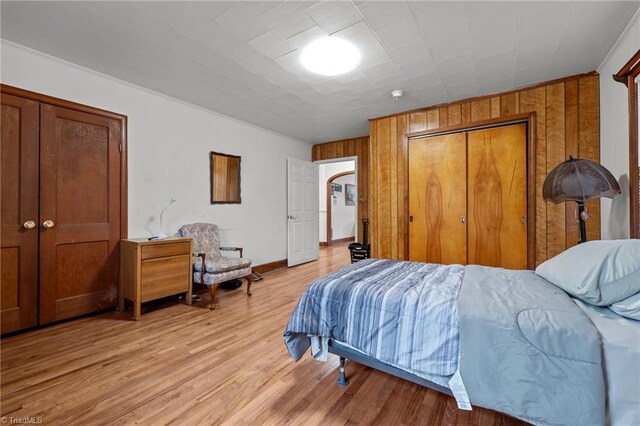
19, 207
80, 197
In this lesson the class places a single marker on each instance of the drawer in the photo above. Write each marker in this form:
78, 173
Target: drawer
164, 250
165, 276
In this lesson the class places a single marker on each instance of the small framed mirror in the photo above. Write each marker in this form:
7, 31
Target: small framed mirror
225, 178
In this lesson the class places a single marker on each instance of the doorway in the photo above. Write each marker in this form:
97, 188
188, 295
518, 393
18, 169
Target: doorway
338, 200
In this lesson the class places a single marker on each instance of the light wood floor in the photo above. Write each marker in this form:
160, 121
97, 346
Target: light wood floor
187, 365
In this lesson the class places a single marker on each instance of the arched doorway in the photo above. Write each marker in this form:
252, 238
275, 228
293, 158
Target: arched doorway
348, 195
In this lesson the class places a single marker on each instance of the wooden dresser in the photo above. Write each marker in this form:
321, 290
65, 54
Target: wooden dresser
154, 269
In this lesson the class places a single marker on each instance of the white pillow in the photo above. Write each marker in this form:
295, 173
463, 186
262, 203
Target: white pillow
599, 272
628, 308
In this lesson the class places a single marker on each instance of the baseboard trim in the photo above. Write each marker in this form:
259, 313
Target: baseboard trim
271, 266
341, 240
323, 244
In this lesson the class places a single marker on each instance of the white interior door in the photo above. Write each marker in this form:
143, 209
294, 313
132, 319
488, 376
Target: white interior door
302, 211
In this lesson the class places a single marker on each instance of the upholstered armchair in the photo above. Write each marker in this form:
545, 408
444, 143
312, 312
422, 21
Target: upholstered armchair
210, 267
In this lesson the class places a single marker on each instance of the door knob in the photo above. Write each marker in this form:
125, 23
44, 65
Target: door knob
463, 219
48, 224
29, 224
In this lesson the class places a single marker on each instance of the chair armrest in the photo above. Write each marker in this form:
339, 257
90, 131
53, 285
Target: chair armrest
232, 249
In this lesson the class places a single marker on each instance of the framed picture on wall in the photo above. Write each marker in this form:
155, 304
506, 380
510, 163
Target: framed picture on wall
349, 194
336, 187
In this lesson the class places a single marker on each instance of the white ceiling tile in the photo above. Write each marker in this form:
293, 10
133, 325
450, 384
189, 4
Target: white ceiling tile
533, 58
399, 33
258, 7
490, 39
350, 77
413, 52
328, 87
456, 79
242, 24
454, 48
379, 14
258, 64
372, 52
383, 71
536, 7
272, 44
302, 39
456, 65
501, 60
197, 26
231, 48
535, 74
287, 18
333, 16
304, 4
119, 13
212, 9
441, 21
280, 77
418, 69
161, 11
430, 81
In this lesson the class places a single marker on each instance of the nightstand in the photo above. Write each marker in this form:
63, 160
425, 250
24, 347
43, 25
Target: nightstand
151, 270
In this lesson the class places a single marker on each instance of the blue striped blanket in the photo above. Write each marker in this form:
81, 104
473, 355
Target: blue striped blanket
402, 313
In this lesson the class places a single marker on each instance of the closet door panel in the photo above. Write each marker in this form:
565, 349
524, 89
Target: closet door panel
80, 194
437, 199
497, 197
18, 204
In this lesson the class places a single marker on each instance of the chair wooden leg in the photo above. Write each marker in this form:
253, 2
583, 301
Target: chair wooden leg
212, 290
249, 279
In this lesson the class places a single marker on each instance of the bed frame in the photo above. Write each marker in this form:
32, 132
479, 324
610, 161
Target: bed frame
345, 352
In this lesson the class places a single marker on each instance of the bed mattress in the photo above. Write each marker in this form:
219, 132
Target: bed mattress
621, 351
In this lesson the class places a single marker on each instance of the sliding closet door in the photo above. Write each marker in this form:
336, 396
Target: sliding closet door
79, 212
497, 197
437, 199
19, 213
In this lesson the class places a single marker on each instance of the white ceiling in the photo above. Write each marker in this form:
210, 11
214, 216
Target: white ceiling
242, 59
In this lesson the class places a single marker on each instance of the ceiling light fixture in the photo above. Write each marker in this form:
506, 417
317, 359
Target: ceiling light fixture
397, 94
330, 56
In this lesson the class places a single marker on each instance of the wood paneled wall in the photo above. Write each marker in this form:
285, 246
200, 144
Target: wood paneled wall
567, 122
356, 147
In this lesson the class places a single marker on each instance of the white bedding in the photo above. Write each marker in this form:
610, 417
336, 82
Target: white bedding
621, 349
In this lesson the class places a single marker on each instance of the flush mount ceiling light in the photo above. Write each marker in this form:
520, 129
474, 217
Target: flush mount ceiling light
330, 56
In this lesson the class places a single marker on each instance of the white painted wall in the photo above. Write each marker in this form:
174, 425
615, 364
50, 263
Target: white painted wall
169, 144
325, 171
343, 217
614, 130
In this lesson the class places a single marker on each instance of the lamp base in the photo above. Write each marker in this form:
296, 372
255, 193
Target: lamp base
583, 224
160, 236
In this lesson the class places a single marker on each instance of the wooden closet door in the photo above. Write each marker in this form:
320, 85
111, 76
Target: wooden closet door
19, 205
438, 199
80, 194
497, 173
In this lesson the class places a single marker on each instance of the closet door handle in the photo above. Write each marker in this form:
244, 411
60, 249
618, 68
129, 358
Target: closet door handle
29, 224
48, 224
463, 219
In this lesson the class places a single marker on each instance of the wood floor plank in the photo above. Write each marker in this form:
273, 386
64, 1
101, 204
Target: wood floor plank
187, 365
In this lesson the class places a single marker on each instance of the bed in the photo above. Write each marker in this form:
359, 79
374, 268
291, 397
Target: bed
505, 340
621, 354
